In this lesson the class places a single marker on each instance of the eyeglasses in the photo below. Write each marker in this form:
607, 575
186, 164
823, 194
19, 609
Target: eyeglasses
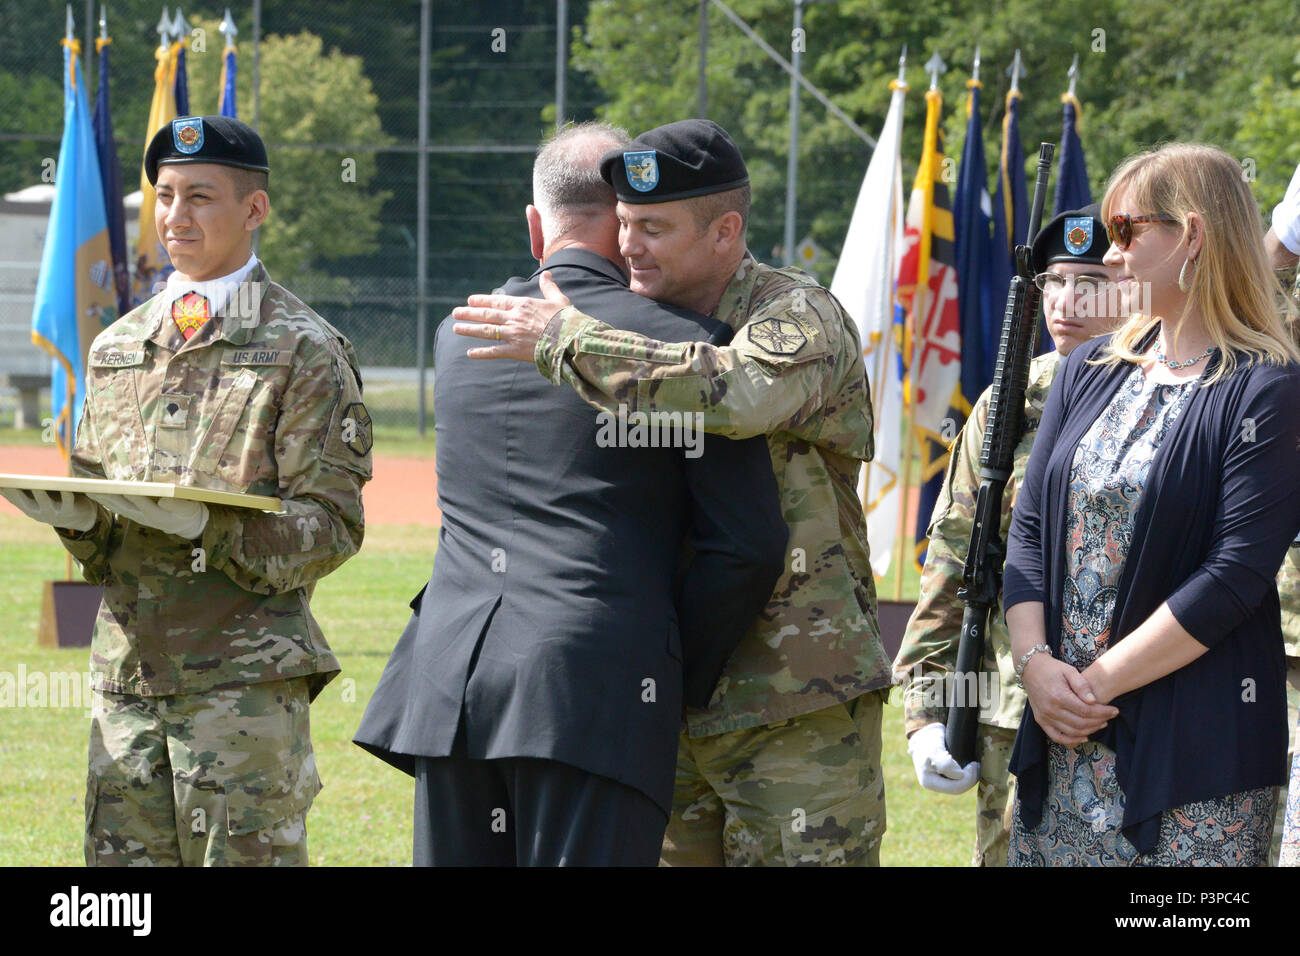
1120, 228
1053, 283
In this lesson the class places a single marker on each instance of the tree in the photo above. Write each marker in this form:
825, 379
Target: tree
321, 208
1269, 137
1151, 72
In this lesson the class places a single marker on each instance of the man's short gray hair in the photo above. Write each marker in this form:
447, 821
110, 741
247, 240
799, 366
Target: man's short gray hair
566, 174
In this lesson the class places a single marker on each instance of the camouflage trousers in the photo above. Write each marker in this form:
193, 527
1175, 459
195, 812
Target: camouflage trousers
807, 791
223, 778
995, 797
1287, 824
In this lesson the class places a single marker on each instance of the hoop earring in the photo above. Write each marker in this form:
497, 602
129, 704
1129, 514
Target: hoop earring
1183, 285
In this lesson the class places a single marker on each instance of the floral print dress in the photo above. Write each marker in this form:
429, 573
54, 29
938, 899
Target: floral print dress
1083, 807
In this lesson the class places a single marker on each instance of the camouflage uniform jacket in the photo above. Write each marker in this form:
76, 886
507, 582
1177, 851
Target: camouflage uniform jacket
1288, 591
793, 373
256, 401
1288, 579
929, 648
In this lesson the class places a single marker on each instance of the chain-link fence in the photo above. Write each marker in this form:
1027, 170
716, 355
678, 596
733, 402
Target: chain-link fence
349, 232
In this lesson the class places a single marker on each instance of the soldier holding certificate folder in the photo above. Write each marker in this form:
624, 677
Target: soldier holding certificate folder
205, 654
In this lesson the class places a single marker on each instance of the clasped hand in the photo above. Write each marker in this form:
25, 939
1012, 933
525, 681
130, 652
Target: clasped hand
1064, 701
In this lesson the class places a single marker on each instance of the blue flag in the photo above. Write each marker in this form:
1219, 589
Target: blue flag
1072, 190
74, 289
182, 86
110, 175
228, 107
973, 236
1010, 196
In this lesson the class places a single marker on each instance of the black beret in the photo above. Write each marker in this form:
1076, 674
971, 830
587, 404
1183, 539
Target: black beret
223, 140
690, 158
1076, 235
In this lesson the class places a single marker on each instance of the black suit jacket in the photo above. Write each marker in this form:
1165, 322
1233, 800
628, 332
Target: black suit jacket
559, 611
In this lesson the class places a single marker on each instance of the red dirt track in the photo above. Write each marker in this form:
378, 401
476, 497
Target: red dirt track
403, 490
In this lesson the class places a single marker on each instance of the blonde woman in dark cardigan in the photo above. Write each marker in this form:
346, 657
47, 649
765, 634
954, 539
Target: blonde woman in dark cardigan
1157, 507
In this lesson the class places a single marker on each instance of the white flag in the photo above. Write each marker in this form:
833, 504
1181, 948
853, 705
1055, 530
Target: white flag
864, 283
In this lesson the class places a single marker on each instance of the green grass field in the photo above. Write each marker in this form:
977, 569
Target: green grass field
362, 817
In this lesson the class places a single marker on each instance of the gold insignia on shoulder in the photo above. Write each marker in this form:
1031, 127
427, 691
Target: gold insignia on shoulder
778, 336
356, 429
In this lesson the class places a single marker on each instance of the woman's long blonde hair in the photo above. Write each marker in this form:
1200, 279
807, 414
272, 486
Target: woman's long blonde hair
1232, 283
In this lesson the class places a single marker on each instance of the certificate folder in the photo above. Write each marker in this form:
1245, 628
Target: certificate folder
146, 489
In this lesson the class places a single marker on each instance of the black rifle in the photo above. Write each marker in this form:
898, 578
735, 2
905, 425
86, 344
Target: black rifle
982, 575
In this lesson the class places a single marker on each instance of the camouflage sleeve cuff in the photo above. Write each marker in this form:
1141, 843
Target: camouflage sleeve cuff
552, 345
90, 547
267, 553
922, 698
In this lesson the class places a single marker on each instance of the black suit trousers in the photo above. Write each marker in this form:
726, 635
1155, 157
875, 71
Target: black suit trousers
525, 811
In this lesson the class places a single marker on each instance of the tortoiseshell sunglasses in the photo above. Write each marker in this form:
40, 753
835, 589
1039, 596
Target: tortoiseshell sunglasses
1120, 228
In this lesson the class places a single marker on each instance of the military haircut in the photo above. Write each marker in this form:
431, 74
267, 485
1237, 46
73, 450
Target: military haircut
566, 173
247, 180
710, 206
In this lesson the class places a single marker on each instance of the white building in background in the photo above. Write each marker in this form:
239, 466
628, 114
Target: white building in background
24, 218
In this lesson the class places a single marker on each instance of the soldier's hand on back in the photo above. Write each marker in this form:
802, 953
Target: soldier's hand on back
935, 768
62, 509
172, 515
514, 322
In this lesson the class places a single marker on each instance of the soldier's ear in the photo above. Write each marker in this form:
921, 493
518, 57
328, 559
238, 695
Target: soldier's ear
259, 207
729, 228
536, 239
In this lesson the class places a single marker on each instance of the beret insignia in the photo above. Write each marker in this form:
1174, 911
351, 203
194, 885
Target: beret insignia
187, 134
1078, 234
642, 170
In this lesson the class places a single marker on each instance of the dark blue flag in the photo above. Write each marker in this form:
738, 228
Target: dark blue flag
1010, 195
1072, 190
182, 87
110, 175
972, 227
228, 107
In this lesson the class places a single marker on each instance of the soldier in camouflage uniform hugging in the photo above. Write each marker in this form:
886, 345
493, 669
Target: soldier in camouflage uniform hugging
205, 654
782, 767
1080, 301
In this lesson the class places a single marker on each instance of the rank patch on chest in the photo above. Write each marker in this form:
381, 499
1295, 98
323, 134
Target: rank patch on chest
174, 412
356, 429
778, 336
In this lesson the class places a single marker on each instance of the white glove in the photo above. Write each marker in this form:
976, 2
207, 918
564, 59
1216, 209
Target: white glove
172, 515
935, 768
70, 511
1286, 216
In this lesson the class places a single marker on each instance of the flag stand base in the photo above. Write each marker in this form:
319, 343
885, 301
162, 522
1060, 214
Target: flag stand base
68, 610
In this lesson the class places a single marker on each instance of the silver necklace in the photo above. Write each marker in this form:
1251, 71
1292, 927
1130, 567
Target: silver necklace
1187, 363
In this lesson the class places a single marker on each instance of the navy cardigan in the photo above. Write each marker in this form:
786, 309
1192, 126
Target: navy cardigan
1220, 506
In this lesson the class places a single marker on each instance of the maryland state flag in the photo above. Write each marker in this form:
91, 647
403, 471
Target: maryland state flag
74, 291
152, 264
927, 288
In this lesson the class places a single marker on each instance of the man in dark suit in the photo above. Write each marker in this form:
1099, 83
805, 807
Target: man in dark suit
536, 694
